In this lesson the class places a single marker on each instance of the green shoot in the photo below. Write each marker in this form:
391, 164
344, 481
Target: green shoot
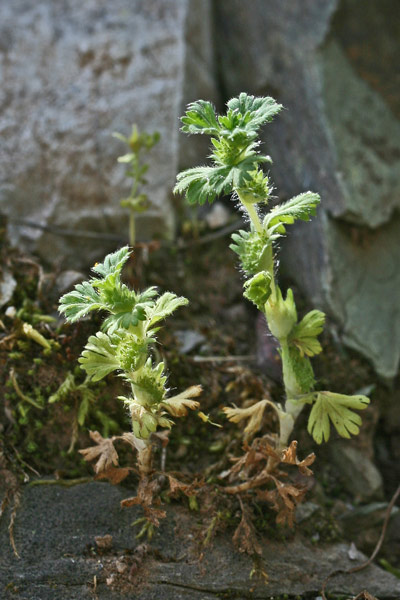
137, 202
124, 346
237, 168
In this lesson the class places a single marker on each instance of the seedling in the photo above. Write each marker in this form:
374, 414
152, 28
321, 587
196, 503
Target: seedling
124, 346
138, 144
236, 169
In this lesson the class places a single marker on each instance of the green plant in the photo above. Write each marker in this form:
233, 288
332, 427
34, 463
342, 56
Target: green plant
236, 169
124, 345
138, 144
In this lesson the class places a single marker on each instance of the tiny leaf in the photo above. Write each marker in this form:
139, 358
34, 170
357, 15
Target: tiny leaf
337, 408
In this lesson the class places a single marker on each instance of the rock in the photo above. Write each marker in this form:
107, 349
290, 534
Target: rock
358, 474
55, 531
339, 135
66, 280
189, 340
363, 525
7, 286
218, 216
79, 72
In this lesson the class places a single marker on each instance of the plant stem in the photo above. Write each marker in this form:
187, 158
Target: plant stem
292, 408
132, 229
252, 212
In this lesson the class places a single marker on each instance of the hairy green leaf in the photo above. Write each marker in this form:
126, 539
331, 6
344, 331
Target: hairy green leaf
253, 111
164, 306
113, 263
338, 409
78, 303
200, 118
99, 358
301, 207
304, 334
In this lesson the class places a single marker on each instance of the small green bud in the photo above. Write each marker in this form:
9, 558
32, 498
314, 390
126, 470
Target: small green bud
281, 314
258, 289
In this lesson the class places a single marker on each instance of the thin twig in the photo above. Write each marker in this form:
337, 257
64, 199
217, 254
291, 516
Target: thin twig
63, 482
19, 392
375, 552
238, 358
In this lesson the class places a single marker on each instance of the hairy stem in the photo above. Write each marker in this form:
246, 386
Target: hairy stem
292, 408
132, 228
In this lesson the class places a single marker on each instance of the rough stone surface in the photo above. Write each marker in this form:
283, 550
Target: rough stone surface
55, 533
328, 63
359, 475
72, 73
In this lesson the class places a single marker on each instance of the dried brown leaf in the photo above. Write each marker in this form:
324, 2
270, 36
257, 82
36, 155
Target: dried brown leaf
289, 456
114, 474
104, 452
189, 489
245, 536
177, 405
104, 542
254, 413
284, 500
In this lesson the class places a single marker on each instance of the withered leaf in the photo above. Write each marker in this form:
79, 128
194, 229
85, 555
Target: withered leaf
104, 452
177, 405
114, 474
104, 542
289, 456
189, 489
245, 537
284, 500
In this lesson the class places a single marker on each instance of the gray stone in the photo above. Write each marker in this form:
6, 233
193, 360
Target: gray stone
358, 474
73, 73
339, 135
56, 530
7, 286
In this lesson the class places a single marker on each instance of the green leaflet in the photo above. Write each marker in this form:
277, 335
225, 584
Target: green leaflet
99, 358
244, 116
235, 157
66, 388
107, 293
80, 302
304, 334
300, 207
164, 306
258, 289
337, 408
200, 118
205, 184
254, 111
113, 263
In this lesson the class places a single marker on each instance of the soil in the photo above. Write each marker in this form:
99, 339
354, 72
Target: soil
217, 342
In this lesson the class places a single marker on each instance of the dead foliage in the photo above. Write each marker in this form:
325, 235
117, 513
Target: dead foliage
259, 470
147, 497
106, 466
11, 498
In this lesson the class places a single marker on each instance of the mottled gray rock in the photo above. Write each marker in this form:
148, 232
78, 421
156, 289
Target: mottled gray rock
72, 73
7, 286
330, 62
358, 474
55, 533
